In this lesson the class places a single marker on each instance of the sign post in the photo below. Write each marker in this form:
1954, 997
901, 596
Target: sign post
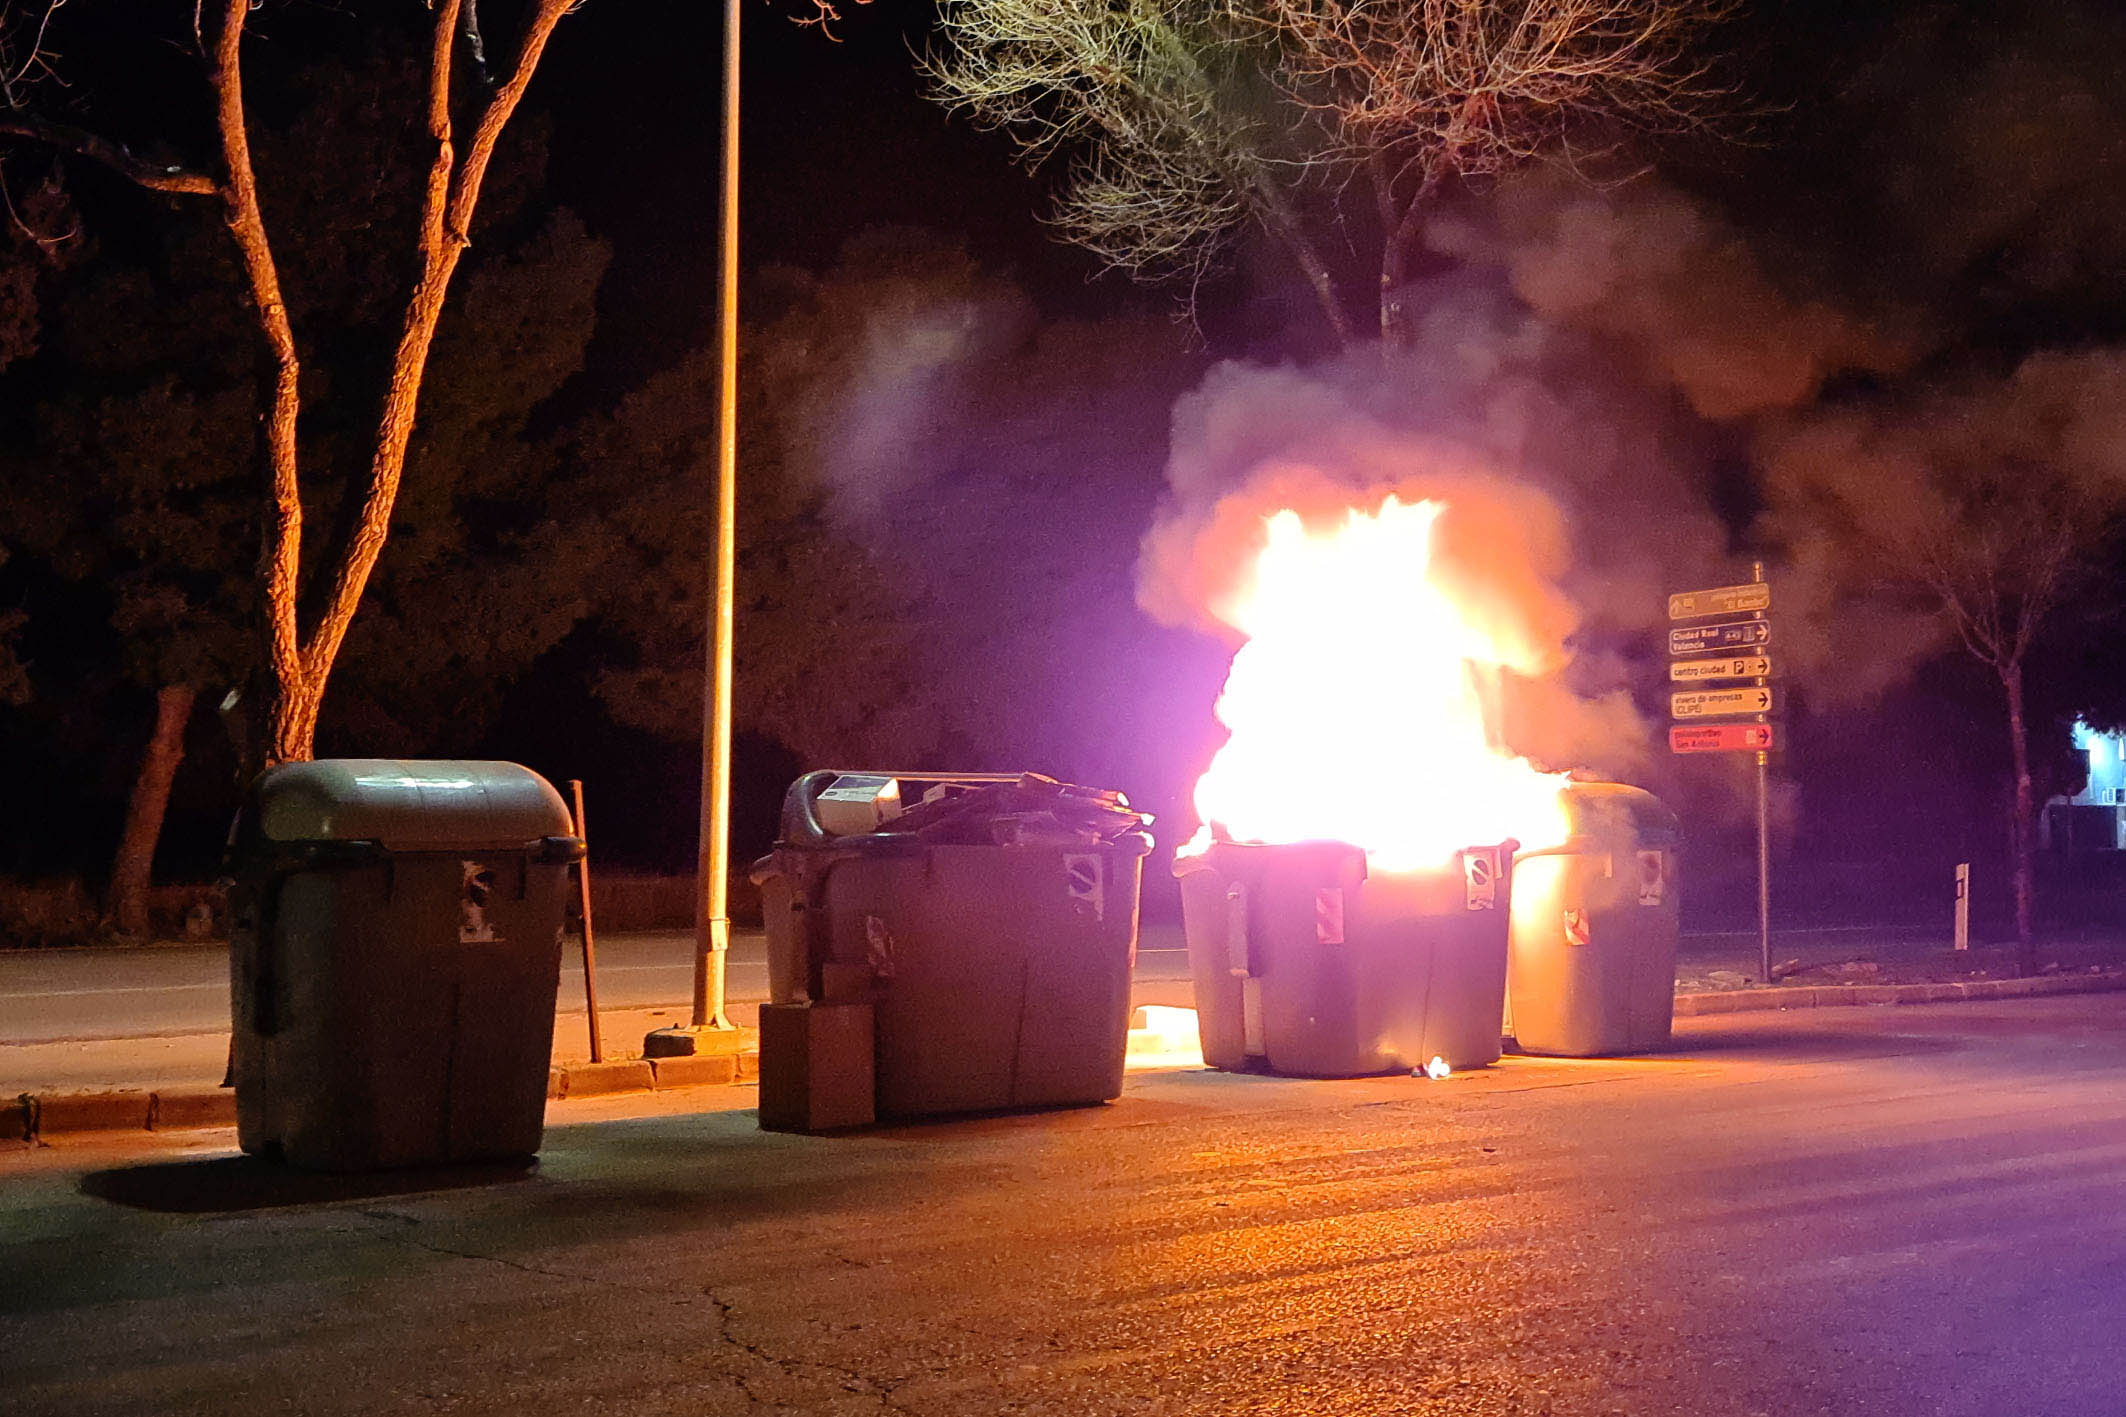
1963, 905
1730, 648
1764, 822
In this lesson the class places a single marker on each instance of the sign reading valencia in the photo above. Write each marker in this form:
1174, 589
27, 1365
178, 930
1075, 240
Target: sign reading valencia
1720, 600
1724, 635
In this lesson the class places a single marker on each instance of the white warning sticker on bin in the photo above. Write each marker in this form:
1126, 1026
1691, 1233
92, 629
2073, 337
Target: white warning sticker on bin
1480, 874
1083, 879
476, 888
1653, 878
1329, 915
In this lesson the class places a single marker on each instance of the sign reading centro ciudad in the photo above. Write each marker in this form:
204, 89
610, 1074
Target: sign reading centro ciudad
1728, 648
1740, 666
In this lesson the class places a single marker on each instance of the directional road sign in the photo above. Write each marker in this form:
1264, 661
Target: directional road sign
1719, 703
1739, 666
1719, 737
1726, 636
1720, 600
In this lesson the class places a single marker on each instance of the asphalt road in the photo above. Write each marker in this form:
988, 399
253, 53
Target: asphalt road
173, 990
163, 990
1896, 1211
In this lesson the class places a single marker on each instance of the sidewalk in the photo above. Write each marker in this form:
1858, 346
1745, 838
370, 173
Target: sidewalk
198, 1059
1865, 956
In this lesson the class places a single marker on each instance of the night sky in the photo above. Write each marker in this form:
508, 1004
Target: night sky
1925, 193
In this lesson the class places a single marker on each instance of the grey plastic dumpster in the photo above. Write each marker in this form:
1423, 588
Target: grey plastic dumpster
395, 949
1592, 963
991, 930
1307, 963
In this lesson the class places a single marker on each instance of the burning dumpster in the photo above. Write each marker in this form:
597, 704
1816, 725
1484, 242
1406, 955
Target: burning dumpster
1307, 962
967, 939
1592, 963
1347, 901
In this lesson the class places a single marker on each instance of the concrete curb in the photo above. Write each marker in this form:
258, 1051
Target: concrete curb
32, 1116
1831, 996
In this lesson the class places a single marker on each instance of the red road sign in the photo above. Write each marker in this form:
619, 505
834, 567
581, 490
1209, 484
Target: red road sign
1719, 737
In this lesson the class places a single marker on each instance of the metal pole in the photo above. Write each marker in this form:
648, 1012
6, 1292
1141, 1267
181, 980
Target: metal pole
713, 931
1764, 838
590, 948
1764, 875
712, 928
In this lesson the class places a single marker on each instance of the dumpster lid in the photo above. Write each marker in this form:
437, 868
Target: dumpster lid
987, 809
407, 804
1612, 808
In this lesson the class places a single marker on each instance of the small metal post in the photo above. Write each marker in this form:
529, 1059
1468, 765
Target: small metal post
1963, 905
1764, 835
590, 949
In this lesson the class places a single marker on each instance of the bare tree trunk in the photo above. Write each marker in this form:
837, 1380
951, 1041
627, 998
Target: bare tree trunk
294, 699
1392, 269
2025, 937
1284, 223
295, 667
298, 667
281, 510
132, 866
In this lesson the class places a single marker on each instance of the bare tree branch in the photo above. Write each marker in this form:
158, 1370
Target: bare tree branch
1171, 157
1190, 119
446, 224
298, 665
1419, 91
475, 46
826, 14
280, 548
159, 177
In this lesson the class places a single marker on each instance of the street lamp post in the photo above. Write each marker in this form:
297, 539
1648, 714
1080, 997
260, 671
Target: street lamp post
710, 1029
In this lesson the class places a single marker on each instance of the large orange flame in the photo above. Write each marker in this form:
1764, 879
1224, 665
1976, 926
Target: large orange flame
1354, 704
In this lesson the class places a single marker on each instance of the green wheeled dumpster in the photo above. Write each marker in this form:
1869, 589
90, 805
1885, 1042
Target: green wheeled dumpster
981, 927
1308, 963
1592, 961
395, 952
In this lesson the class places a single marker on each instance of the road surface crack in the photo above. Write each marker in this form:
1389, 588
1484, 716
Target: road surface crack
411, 1243
799, 1370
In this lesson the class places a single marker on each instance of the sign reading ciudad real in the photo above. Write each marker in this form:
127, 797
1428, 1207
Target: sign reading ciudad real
1721, 636
1728, 649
